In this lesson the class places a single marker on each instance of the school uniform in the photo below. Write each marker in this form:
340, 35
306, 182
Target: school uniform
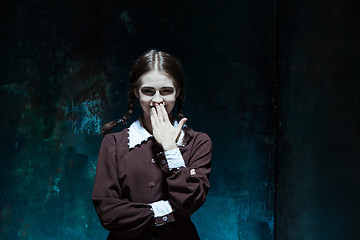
142, 192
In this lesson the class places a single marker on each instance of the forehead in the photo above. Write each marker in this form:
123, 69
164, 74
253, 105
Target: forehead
156, 79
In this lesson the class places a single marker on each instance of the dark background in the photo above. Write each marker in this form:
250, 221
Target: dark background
318, 123
275, 84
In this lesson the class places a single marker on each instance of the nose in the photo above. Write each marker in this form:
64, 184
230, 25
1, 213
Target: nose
157, 98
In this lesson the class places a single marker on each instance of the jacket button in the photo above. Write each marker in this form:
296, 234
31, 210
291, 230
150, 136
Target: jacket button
153, 161
163, 162
151, 184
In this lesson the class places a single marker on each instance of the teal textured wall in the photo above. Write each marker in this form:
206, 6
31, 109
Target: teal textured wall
64, 68
318, 133
274, 83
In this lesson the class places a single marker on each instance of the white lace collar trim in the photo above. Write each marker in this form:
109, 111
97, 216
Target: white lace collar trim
138, 135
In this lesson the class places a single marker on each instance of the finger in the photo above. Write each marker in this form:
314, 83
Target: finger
159, 112
181, 124
152, 121
154, 115
153, 111
164, 113
154, 124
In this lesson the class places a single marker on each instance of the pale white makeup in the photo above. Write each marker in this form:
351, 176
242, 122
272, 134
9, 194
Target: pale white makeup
156, 87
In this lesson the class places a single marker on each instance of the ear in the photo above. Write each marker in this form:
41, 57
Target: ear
136, 92
177, 92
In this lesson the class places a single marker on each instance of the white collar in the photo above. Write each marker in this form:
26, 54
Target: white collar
138, 134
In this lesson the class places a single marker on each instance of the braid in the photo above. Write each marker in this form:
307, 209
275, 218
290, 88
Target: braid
164, 63
110, 125
180, 110
188, 132
130, 108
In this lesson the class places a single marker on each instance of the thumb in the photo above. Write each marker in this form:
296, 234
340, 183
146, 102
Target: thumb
181, 124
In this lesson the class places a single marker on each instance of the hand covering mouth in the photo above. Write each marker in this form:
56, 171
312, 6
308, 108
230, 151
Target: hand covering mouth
159, 104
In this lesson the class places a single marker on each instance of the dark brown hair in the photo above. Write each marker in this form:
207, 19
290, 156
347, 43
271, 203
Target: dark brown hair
162, 62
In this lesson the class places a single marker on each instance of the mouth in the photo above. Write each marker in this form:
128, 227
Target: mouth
159, 104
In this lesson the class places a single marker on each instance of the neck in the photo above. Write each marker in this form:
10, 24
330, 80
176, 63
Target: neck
146, 123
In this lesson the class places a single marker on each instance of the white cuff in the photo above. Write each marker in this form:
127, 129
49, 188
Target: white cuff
174, 158
161, 208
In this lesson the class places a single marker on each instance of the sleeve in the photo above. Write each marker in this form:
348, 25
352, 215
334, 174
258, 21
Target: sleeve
163, 212
188, 186
174, 159
121, 217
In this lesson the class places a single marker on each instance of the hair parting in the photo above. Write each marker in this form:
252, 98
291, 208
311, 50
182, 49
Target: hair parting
162, 62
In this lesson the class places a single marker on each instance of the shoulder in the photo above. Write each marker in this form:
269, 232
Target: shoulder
199, 148
117, 137
200, 138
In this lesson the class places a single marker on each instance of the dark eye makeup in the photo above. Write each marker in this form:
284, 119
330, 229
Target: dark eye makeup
166, 90
149, 91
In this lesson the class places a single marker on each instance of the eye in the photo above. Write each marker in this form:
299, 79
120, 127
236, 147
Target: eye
148, 91
166, 91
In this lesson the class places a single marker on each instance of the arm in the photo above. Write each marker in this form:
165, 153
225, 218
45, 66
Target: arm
188, 185
121, 217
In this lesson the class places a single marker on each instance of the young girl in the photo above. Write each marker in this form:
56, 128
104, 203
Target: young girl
153, 175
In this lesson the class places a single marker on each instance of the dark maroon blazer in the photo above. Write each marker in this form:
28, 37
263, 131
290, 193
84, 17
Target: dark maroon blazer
127, 180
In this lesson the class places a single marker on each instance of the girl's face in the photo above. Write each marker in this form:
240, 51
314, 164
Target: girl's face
156, 87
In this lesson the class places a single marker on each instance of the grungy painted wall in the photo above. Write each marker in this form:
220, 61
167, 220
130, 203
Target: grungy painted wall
64, 68
318, 135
